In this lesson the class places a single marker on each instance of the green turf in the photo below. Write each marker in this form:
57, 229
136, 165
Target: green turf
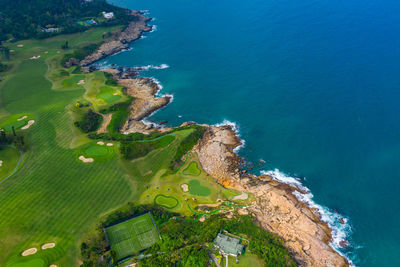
132, 236
197, 189
16, 121
38, 262
72, 81
97, 152
10, 157
192, 169
168, 202
107, 94
245, 260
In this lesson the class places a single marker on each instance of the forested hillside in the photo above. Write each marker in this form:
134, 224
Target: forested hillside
21, 19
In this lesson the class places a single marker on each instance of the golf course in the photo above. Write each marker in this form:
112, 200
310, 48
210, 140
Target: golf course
54, 196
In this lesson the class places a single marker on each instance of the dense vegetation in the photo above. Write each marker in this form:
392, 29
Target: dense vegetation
20, 19
137, 149
187, 243
89, 122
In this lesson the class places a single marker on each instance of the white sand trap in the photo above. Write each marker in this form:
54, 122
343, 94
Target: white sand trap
115, 94
1, 163
28, 252
86, 160
22, 118
48, 245
81, 82
242, 196
20, 45
100, 143
110, 144
185, 187
35, 57
29, 124
53, 265
12, 51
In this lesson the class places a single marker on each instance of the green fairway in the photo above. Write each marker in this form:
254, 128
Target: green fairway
195, 188
132, 235
108, 94
192, 169
166, 201
73, 81
38, 262
17, 121
9, 158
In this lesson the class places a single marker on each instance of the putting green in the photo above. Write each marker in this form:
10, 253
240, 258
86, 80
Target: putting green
166, 201
192, 169
10, 157
108, 94
72, 82
38, 262
195, 188
16, 120
97, 152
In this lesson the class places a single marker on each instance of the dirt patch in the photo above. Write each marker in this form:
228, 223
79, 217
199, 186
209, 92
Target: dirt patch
85, 160
28, 252
185, 187
29, 124
242, 196
22, 118
106, 121
48, 245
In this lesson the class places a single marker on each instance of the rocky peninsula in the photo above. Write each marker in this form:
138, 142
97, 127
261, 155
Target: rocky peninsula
276, 208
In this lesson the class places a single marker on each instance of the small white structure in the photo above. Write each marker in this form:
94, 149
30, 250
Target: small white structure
108, 15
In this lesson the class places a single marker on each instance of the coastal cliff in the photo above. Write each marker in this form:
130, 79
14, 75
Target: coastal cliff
276, 208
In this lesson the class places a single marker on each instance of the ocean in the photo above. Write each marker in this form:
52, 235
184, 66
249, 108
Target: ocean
313, 87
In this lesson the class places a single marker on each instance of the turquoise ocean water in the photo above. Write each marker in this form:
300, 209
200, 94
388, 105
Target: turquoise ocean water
314, 88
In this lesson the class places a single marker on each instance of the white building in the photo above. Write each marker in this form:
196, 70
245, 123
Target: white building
108, 15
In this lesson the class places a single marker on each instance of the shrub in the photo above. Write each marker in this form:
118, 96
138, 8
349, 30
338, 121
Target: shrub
90, 121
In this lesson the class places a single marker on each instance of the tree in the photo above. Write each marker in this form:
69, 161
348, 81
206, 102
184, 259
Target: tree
13, 130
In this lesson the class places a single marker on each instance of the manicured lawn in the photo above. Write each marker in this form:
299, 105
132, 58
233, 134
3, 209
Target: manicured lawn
168, 202
38, 262
132, 235
108, 94
10, 157
16, 120
72, 81
192, 169
197, 189
246, 260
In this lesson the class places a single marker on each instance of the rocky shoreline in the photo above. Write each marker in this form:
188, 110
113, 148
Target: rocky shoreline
276, 208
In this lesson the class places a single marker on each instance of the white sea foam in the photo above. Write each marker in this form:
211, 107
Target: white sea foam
153, 28
235, 128
340, 232
145, 12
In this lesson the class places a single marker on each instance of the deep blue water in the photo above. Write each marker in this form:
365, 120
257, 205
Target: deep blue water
313, 86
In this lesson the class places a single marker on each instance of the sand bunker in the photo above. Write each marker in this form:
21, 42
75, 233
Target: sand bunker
20, 45
81, 82
242, 196
23, 118
110, 144
100, 143
29, 124
53, 265
86, 160
35, 57
185, 187
115, 94
48, 245
1, 163
28, 252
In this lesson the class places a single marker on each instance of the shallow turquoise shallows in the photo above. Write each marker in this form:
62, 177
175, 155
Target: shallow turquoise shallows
314, 87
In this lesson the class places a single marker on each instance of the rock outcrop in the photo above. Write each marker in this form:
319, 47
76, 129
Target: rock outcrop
276, 208
120, 40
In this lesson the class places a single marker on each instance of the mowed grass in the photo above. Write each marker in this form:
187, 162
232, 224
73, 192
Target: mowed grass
52, 197
108, 94
132, 235
16, 120
245, 260
168, 202
197, 189
38, 262
192, 169
10, 157
98, 152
